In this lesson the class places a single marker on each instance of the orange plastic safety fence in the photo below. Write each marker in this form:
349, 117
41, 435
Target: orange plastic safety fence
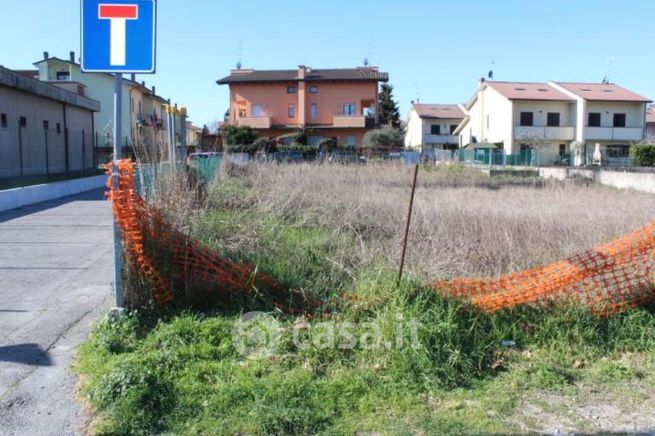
609, 278
170, 260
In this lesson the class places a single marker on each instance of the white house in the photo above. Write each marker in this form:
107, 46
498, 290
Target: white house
432, 126
563, 121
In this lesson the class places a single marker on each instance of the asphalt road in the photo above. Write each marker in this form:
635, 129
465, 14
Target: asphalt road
55, 278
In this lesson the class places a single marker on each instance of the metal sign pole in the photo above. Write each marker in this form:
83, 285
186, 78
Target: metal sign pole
118, 129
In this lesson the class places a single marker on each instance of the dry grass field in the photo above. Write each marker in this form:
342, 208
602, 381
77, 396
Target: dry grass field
464, 222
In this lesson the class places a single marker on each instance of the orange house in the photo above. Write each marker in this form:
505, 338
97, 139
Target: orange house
329, 103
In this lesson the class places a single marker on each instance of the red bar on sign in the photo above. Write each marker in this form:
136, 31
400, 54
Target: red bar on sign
118, 11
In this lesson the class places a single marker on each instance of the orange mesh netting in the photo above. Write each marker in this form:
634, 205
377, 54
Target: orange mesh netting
170, 260
609, 278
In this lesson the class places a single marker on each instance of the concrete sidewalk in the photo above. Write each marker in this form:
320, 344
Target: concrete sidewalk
56, 266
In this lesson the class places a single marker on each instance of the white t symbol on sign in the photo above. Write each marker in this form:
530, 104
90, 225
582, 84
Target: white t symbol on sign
117, 14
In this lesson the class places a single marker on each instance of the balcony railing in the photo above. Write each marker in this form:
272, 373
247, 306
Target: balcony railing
560, 133
255, 122
614, 133
440, 139
349, 121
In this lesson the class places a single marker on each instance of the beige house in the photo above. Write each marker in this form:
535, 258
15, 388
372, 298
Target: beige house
193, 135
650, 124
144, 112
432, 126
43, 129
562, 122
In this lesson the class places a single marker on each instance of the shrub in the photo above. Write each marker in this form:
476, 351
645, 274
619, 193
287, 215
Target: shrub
241, 148
643, 155
239, 135
386, 139
327, 144
266, 145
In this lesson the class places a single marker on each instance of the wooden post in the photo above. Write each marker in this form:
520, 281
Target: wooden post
409, 218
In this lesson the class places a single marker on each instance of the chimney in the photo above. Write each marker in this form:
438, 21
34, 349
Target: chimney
143, 83
133, 77
46, 55
72, 57
154, 90
302, 70
481, 82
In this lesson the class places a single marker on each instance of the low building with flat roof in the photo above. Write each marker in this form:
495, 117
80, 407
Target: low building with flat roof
44, 129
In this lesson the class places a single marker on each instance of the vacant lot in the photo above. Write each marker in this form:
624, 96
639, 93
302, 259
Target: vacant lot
432, 365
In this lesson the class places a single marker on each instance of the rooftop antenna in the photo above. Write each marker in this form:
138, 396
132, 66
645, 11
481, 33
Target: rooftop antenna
610, 61
490, 74
239, 54
369, 53
418, 92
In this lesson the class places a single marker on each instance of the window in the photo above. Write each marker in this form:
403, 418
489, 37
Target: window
351, 140
3, 121
349, 109
562, 149
256, 110
527, 118
291, 89
453, 127
619, 120
435, 129
22, 122
46, 125
139, 107
63, 75
58, 127
291, 112
552, 119
594, 119
313, 110
313, 89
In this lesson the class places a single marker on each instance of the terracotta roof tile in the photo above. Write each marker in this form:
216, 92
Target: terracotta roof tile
602, 91
425, 110
313, 75
528, 91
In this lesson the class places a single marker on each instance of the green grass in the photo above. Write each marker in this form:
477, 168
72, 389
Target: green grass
185, 375
180, 372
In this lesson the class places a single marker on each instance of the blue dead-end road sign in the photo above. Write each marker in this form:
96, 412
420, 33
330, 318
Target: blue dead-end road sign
119, 36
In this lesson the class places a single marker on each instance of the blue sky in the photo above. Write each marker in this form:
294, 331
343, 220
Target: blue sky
435, 50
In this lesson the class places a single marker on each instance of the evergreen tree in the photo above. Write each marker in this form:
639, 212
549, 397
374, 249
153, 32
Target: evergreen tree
388, 108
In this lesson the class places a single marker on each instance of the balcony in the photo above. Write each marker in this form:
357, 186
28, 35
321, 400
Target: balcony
614, 133
349, 121
255, 122
440, 139
559, 133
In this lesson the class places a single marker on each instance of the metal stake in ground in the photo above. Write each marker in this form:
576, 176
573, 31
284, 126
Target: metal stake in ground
118, 127
409, 218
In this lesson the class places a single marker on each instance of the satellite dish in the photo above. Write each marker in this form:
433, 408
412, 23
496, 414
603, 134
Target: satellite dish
366, 62
238, 65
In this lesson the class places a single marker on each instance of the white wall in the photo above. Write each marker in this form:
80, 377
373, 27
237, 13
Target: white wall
634, 112
19, 197
413, 135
